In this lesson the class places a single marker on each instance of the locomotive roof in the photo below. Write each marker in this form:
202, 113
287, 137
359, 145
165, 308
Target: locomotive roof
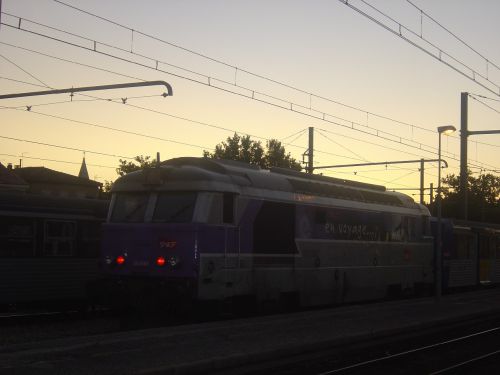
190, 173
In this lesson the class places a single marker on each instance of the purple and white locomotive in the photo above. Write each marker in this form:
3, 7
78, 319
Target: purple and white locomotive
208, 229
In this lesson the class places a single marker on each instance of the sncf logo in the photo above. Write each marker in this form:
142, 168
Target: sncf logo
168, 244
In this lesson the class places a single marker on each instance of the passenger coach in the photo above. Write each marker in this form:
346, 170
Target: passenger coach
210, 229
49, 248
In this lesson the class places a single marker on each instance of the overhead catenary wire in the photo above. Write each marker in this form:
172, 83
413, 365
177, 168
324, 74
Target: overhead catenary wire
112, 128
59, 161
486, 105
485, 97
233, 130
190, 120
341, 146
240, 69
427, 129
195, 121
25, 71
378, 132
211, 80
462, 68
486, 59
293, 107
65, 147
70, 101
360, 175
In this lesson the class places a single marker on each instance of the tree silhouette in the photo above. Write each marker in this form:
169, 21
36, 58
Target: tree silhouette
243, 148
140, 162
483, 197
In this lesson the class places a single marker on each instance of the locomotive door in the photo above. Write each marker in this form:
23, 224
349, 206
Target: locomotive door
231, 245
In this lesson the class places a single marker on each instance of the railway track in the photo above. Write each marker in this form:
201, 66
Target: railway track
457, 355
22, 327
465, 347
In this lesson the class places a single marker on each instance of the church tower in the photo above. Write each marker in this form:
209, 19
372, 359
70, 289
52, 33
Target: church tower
83, 170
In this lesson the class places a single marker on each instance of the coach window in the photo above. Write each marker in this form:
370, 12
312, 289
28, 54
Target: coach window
89, 238
464, 245
59, 238
16, 237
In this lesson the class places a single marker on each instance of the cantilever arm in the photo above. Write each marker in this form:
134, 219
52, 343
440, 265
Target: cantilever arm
91, 88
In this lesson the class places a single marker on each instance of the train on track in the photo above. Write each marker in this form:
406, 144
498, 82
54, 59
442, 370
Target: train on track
471, 254
209, 230
199, 229
49, 248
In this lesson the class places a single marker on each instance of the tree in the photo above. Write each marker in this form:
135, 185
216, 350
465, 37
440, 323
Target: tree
243, 148
483, 197
140, 162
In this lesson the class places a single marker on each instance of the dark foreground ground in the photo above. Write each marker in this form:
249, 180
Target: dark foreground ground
257, 344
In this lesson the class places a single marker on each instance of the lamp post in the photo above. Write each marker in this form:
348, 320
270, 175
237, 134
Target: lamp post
447, 129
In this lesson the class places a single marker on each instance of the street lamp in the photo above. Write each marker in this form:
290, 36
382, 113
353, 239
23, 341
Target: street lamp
447, 129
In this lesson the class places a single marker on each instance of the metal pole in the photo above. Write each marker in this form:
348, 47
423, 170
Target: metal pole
439, 234
431, 194
310, 154
464, 133
422, 181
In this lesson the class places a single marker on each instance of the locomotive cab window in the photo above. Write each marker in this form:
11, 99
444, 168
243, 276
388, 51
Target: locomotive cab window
174, 207
129, 207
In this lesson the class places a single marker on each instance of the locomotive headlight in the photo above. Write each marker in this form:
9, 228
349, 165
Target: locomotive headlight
174, 261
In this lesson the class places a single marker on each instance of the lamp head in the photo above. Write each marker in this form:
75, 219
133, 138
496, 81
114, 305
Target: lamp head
446, 129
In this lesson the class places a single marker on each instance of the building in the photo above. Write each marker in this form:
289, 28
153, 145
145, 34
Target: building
47, 181
10, 181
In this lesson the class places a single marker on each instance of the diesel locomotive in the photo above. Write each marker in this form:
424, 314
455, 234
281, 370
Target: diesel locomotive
210, 230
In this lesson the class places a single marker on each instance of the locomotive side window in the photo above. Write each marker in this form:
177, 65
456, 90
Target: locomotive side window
59, 238
16, 237
228, 208
129, 207
274, 229
174, 207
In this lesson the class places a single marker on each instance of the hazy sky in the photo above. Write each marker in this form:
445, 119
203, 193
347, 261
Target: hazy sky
339, 60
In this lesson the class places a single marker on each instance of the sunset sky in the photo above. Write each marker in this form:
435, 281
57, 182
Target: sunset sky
270, 69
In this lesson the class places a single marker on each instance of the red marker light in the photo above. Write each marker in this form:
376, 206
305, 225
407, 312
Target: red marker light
160, 261
120, 260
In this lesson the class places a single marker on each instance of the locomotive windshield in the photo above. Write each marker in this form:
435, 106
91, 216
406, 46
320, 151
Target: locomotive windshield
129, 207
174, 207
